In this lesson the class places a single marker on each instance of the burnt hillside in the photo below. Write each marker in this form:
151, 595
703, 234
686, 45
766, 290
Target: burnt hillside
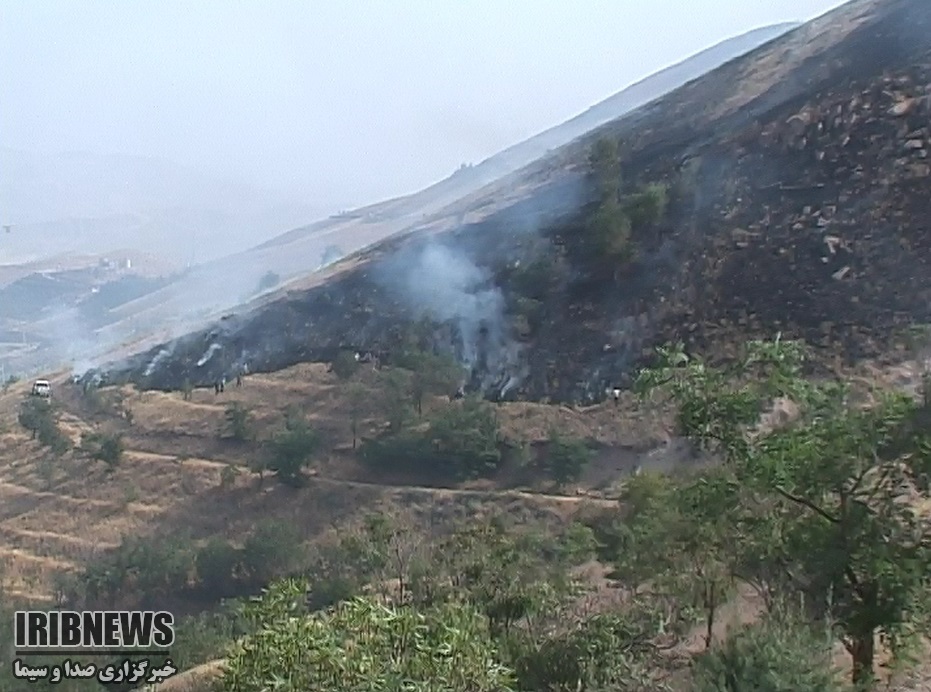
798, 181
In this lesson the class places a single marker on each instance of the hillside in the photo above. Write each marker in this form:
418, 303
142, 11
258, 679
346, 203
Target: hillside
795, 178
61, 513
229, 278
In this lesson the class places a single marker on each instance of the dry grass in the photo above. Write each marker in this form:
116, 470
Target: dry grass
170, 477
57, 514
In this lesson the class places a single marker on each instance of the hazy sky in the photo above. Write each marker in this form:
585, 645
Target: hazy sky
344, 102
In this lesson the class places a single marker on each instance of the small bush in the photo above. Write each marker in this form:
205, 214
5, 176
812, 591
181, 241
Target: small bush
273, 549
345, 365
216, 563
238, 422
292, 450
566, 458
103, 447
778, 654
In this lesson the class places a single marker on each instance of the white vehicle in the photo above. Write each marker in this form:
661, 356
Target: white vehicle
42, 388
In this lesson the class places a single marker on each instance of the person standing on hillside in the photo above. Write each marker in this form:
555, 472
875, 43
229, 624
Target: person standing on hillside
617, 396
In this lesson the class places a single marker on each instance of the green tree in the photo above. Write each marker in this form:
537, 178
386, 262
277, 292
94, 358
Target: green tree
345, 365
239, 423
270, 551
609, 232
648, 206
292, 450
464, 436
513, 575
216, 563
363, 645
104, 447
566, 458
841, 487
692, 519
605, 167
431, 374
395, 402
34, 413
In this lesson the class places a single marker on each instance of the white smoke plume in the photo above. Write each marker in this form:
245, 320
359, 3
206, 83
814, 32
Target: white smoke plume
442, 282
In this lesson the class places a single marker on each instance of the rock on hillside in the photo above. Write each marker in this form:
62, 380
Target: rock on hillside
798, 180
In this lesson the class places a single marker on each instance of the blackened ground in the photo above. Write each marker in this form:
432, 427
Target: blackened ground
806, 211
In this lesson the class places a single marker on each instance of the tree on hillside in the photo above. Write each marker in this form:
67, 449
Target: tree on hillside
842, 491
616, 216
431, 374
692, 521
104, 447
464, 436
345, 364
566, 458
605, 166
356, 397
35, 412
239, 424
291, 450
271, 550
394, 385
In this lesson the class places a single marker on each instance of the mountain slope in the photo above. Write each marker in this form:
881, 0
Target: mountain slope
797, 177
410, 210
219, 285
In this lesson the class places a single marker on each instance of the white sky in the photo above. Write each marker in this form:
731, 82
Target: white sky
339, 101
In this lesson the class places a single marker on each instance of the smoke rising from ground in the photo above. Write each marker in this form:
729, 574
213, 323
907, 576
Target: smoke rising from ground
441, 282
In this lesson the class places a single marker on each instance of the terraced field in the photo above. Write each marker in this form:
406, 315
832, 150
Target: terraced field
57, 514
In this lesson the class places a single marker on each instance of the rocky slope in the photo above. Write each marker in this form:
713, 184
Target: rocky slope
798, 180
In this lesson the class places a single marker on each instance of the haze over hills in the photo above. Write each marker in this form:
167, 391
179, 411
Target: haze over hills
96, 203
227, 281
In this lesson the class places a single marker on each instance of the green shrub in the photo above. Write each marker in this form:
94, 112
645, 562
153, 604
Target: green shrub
345, 364
216, 563
238, 422
566, 458
103, 447
778, 654
291, 451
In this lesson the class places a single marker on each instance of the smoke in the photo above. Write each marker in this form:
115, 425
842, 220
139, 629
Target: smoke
69, 339
443, 283
208, 354
163, 355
